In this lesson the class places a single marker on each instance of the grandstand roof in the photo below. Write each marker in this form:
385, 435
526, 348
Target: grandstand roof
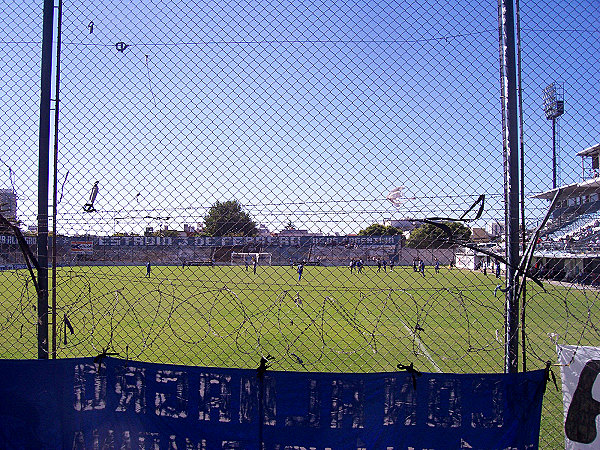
590, 151
563, 254
573, 190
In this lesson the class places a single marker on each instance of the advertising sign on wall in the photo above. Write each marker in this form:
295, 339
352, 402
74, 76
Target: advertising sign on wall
82, 247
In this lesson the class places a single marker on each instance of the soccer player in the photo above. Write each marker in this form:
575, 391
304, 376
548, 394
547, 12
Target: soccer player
254, 263
422, 267
384, 262
378, 265
148, 269
437, 265
300, 269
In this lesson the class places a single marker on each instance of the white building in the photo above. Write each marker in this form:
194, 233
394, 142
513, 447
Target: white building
467, 258
495, 228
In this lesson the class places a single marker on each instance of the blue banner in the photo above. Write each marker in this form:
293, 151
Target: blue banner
81, 404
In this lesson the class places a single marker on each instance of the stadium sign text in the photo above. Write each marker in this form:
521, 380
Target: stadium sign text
211, 241
12, 240
238, 241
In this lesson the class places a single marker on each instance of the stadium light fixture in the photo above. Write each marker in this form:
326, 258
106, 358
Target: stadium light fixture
554, 107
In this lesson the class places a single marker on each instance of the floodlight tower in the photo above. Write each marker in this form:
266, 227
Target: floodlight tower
554, 107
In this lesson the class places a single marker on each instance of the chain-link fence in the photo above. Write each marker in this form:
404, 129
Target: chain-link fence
249, 179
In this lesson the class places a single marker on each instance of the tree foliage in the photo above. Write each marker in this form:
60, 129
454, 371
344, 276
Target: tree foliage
430, 236
165, 233
380, 230
228, 219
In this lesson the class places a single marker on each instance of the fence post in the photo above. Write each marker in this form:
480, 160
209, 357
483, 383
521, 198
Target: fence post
511, 166
43, 178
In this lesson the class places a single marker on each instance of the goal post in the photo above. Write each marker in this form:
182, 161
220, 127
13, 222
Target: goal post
240, 258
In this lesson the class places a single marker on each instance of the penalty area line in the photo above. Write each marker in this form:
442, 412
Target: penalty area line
422, 347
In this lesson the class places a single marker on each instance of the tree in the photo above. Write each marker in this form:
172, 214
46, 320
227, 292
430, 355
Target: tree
228, 219
380, 230
430, 236
165, 233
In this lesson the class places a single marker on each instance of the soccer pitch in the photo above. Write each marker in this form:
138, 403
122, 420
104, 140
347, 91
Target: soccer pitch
331, 320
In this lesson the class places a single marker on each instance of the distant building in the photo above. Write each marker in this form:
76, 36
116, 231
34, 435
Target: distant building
8, 204
292, 232
479, 235
467, 258
495, 228
402, 224
263, 230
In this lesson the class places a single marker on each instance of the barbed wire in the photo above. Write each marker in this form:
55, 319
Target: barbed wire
293, 322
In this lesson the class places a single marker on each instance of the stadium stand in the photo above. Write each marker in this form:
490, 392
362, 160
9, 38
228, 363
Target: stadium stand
569, 247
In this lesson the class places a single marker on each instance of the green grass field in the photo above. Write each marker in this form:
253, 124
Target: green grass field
331, 320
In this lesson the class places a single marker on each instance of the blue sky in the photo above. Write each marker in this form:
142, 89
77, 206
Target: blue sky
303, 111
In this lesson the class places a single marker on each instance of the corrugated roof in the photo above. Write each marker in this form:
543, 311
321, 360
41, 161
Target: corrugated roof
586, 187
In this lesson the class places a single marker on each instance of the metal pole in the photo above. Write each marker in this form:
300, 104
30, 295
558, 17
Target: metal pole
54, 178
43, 177
554, 153
511, 149
522, 184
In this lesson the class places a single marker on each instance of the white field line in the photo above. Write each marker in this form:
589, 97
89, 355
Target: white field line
422, 347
